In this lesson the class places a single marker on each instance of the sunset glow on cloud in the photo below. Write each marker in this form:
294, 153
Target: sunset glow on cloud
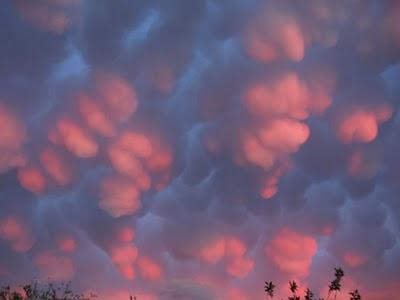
193, 149
292, 252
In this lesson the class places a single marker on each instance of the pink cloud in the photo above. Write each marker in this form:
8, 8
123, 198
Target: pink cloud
53, 266
362, 125
292, 252
94, 115
213, 251
57, 167
50, 15
32, 179
235, 247
274, 36
119, 196
240, 267
67, 244
236, 294
12, 140
354, 260
123, 257
13, 229
74, 138
149, 269
118, 95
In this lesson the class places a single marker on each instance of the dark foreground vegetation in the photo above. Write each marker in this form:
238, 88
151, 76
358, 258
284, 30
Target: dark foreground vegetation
334, 289
49, 292
63, 291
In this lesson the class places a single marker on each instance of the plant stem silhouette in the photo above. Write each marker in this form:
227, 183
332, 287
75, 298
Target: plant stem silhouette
334, 289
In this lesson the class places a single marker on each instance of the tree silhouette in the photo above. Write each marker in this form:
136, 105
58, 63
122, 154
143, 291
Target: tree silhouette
336, 284
269, 288
334, 288
63, 291
309, 295
293, 288
355, 295
50, 292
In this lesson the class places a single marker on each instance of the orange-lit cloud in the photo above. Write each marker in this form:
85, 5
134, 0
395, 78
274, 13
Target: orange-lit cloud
275, 36
127, 271
270, 190
124, 254
118, 95
124, 294
288, 95
362, 125
53, 266
272, 141
124, 257
32, 179
13, 132
292, 252
126, 234
16, 232
254, 151
161, 157
94, 115
235, 247
363, 165
240, 267
354, 259
327, 230
50, 15
278, 106
231, 247
145, 158
12, 139
58, 168
119, 196
269, 183
236, 294
67, 244
127, 151
149, 269
145, 296
213, 252
74, 138
284, 135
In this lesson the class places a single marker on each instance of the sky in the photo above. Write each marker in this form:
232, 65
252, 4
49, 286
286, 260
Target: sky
193, 149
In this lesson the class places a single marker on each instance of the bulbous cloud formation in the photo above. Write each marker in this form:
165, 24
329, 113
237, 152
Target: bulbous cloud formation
197, 148
292, 252
55, 16
13, 136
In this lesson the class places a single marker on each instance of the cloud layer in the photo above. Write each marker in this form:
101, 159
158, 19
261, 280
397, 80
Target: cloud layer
195, 149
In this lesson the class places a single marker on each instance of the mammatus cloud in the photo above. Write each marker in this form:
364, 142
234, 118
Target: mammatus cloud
195, 149
275, 35
362, 125
123, 257
149, 269
292, 252
74, 138
16, 233
56, 267
13, 137
67, 244
55, 16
